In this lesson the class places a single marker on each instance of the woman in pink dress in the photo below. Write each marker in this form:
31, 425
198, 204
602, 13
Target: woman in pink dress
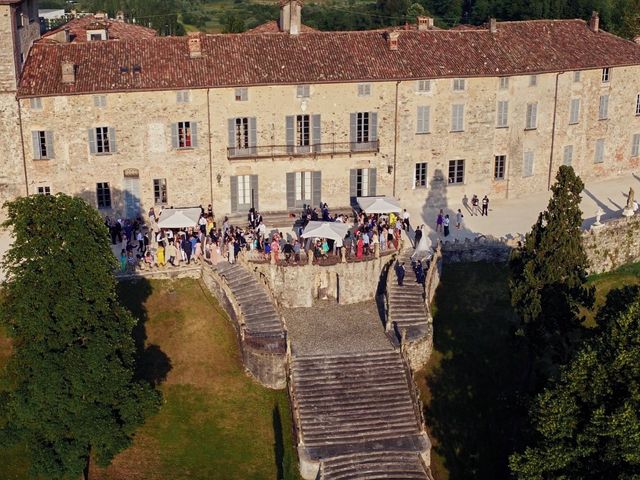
360, 247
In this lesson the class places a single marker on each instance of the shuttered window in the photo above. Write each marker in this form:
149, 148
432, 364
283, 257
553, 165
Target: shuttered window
603, 109
635, 145
423, 120
457, 118
184, 135
242, 94
244, 193
303, 188
362, 182
35, 103
182, 96
364, 89
423, 86
102, 140
504, 83
364, 131
242, 136
533, 80
567, 158
503, 114
532, 116
599, 154
458, 84
576, 76
527, 167
574, 113
42, 145
303, 91
100, 101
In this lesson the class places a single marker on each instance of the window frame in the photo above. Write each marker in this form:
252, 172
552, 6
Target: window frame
183, 96
35, 103
423, 86
160, 191
458, 172
364, 89
420, 175
533, 80
525, 156
44, 190
531, 114
103, 195
599, 151
569, 149
100, 101
635, 145
241, 94
425, 121
502, 117
303, 91
504, 83
302, 127
499, 167
577, 76
457, 113
606, 75
574, 119
603, 107
103, 142
185, 135
638, 105
459, 85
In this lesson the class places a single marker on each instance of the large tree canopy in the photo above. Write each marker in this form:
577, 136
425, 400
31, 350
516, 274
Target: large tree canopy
548, 276
588, 421
72, 371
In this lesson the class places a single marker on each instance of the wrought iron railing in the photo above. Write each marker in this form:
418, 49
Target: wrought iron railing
334, 148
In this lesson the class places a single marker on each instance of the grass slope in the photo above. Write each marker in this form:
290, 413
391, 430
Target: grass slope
215, 422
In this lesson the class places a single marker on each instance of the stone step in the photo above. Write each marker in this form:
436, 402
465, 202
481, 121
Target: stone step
374, 465
355, 356
338, 438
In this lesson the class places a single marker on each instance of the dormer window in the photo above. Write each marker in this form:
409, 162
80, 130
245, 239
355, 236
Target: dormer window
96, 35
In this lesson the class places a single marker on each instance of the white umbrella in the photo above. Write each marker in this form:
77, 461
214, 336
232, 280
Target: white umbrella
331, 230
179, 218
379, 204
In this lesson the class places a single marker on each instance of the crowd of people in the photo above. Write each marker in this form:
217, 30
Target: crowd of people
145, 245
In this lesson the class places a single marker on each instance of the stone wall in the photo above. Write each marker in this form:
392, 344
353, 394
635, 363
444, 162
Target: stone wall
299, 286
614, 244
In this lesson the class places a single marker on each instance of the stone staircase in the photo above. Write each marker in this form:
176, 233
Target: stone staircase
407, 311
355, 403
378, 465
259, 316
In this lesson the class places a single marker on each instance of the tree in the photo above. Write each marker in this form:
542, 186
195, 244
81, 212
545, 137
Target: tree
548, 278
231, 22
73, 395
588, 422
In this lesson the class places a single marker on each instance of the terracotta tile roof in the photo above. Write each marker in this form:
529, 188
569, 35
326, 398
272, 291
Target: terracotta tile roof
116, 30
272, 27
322, 57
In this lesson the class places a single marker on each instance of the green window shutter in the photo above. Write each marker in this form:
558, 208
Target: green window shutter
254, 191
112, 140
316, 188
253, 135
174, 135
234, 194
35, 137
316, 133
194, 134
231, 129
92, 140
49, 141
291, 138
372, 181
291, 190
373, 126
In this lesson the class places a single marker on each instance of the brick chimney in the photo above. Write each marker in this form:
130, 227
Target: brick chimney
195, 45
68, 72
594, 21
290, 16
392, 40
120, 16
425, 23
493, 25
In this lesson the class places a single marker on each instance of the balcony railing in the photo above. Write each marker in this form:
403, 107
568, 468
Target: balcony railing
318, 149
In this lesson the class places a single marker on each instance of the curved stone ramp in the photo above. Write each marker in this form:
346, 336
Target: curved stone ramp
407, 311
353, 403
259, 316
376, 465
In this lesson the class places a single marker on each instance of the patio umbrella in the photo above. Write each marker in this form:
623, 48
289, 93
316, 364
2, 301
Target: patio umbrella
179, 218
379, 204
331, 230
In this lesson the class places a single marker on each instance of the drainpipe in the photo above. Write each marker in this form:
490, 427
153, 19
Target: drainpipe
210, 152
395, 141
553, 130
24, 155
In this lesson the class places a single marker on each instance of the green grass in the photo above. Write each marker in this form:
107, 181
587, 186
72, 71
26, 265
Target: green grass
605, 282
215, 421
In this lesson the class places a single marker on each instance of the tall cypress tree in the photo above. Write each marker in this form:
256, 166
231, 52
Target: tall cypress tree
74, 395
548, 278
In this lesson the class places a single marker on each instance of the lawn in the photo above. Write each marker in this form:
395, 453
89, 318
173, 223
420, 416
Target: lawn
215, 422
470, 383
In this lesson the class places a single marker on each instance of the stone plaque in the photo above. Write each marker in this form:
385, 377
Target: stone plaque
131, 172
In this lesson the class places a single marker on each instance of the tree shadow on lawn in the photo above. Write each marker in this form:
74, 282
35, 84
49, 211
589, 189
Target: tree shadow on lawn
476, 413
152, 364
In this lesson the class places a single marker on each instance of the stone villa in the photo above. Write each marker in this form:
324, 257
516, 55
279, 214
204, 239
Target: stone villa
284, 115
